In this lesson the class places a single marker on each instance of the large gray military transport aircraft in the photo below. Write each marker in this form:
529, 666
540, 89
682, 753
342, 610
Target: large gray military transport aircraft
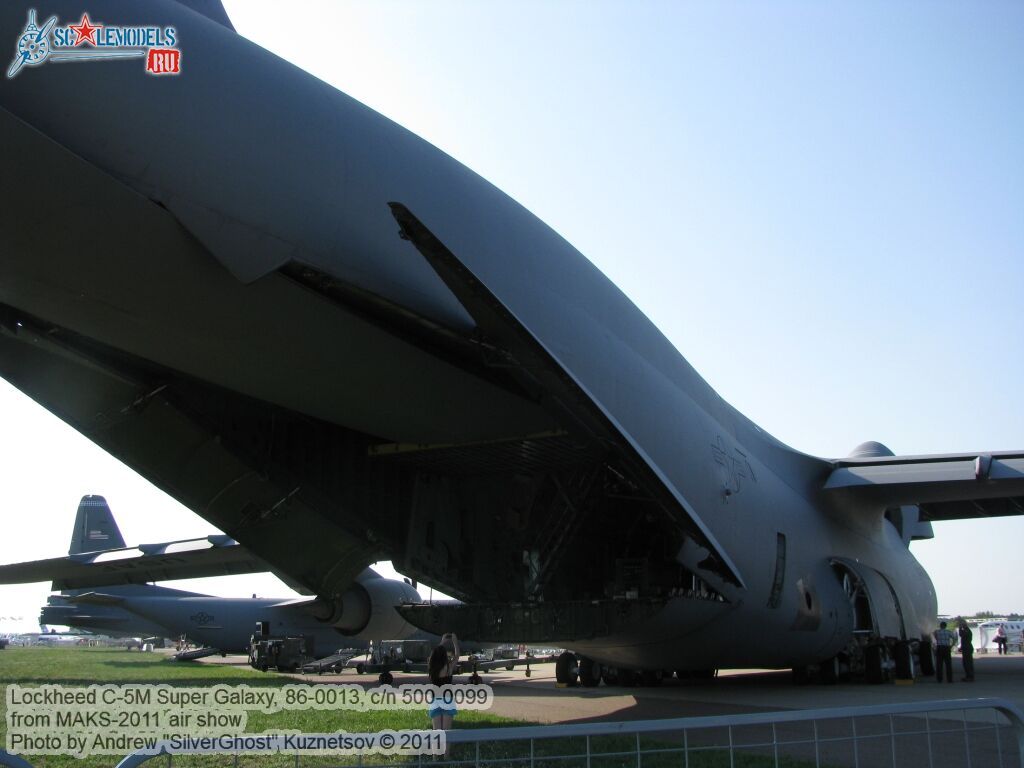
338, 345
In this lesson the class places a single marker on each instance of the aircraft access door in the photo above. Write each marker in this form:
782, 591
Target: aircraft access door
876, 607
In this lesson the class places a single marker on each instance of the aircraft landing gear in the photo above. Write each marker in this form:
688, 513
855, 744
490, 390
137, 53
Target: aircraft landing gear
628, 677
385, 678
876, 664
566, 669
651, 678
573, 670
925, 659
828, 671
590, 673
904, 661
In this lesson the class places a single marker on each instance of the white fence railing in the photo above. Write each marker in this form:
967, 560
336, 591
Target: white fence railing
963, 732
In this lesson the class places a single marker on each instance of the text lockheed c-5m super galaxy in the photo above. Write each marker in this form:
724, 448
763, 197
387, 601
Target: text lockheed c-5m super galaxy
339, 345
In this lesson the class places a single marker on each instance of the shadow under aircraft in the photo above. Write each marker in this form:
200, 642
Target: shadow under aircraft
339, 345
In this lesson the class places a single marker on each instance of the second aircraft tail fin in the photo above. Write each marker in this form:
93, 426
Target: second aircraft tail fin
95, 529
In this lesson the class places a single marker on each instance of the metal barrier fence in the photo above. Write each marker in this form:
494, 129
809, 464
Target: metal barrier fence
964, 732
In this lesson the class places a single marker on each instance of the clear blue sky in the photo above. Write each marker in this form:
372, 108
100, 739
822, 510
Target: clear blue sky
820, 204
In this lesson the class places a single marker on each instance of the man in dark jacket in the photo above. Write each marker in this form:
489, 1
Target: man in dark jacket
966, 651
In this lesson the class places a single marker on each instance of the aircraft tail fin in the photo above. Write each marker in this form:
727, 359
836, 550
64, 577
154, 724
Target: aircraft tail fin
95, 529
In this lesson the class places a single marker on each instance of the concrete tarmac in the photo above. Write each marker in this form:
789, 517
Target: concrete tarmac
937, 741
537, 699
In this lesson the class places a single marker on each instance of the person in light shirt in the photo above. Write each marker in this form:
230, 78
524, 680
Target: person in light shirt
944, 641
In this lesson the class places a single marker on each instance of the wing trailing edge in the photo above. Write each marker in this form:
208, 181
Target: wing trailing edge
945, 487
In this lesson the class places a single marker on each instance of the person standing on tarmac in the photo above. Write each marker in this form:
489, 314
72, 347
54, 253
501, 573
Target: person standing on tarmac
966, 651
441, 666
439, 669
1001, 639
944, 640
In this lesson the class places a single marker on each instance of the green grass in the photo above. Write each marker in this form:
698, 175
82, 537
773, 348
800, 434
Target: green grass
85, 666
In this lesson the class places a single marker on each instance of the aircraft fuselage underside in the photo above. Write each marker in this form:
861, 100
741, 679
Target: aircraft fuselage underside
315, 421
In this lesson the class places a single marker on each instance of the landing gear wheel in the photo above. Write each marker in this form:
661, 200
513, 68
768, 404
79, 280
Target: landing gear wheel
360, 669
875, 664
385, 678
904, 661
590, 673
925, 658
566, 671
527, 672
651, 678
628, 677
475, 679
828, 671
509, 667
610, 675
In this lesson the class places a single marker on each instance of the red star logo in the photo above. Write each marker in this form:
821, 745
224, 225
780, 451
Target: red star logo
85, 31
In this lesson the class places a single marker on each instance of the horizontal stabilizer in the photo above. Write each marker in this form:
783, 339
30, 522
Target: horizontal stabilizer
945, 487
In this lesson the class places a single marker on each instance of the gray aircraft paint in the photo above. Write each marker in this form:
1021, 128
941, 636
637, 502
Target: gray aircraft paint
182, 273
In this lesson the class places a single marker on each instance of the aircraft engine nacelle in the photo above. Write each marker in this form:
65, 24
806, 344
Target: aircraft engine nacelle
385, 596
368, 607
349, 614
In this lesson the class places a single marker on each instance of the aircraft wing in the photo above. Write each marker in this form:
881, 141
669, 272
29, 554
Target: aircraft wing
945, 487
193, 558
